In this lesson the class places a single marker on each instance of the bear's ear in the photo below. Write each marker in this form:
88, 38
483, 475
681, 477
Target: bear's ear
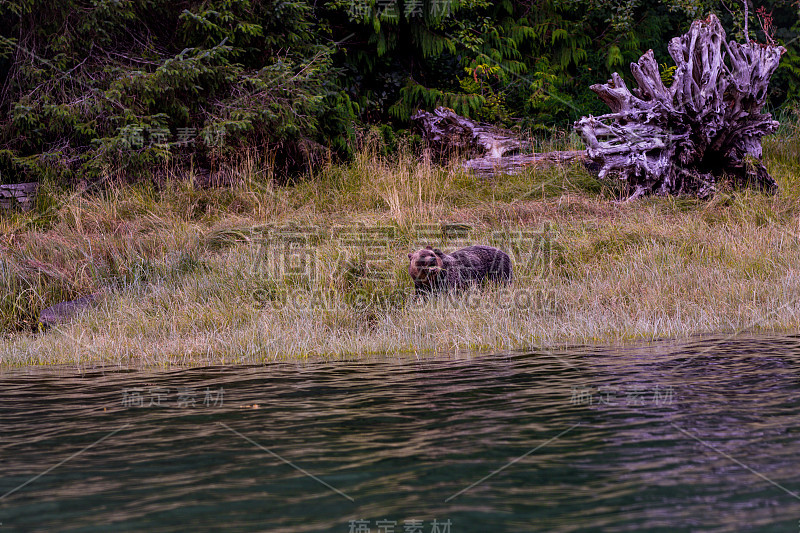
429, 247
437, 252
410, 256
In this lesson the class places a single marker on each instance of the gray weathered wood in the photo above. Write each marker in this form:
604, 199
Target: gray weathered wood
493, 150
512, 164
19, 195
447, 133
707, 124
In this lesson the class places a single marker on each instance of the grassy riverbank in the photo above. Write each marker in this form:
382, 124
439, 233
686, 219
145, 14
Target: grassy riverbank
258, 272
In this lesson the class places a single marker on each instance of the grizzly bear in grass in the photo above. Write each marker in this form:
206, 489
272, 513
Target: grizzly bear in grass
434, 271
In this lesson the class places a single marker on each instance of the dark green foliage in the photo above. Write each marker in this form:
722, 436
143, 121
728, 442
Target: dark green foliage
115, 88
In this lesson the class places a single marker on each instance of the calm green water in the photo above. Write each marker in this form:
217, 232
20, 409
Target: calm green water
692, 436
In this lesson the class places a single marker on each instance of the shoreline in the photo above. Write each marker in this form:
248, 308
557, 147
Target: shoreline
407, 356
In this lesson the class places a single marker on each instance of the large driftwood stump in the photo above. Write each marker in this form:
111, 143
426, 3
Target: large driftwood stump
497, 150
707, 124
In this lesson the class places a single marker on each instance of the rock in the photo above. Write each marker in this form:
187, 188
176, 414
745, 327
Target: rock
64, 311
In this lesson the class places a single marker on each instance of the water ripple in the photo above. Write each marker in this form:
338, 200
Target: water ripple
694, 435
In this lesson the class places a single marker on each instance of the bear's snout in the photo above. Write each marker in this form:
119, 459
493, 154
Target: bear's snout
423, 265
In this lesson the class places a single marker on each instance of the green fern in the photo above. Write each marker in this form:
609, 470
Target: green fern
667, 74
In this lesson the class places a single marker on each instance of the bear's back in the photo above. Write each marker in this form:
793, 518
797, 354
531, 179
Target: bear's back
476, 263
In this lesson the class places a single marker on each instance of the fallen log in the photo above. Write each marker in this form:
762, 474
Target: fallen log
512, 164
707, 125
498, 151
446, 134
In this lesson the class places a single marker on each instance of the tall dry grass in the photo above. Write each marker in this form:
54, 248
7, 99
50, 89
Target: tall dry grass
221, 275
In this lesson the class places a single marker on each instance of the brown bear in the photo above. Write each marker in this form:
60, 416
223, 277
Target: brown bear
434, 271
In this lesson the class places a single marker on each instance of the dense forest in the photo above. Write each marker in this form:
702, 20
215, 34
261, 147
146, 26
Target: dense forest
99, 88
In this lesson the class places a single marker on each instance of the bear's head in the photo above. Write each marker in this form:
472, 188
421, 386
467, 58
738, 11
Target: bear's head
426, 264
